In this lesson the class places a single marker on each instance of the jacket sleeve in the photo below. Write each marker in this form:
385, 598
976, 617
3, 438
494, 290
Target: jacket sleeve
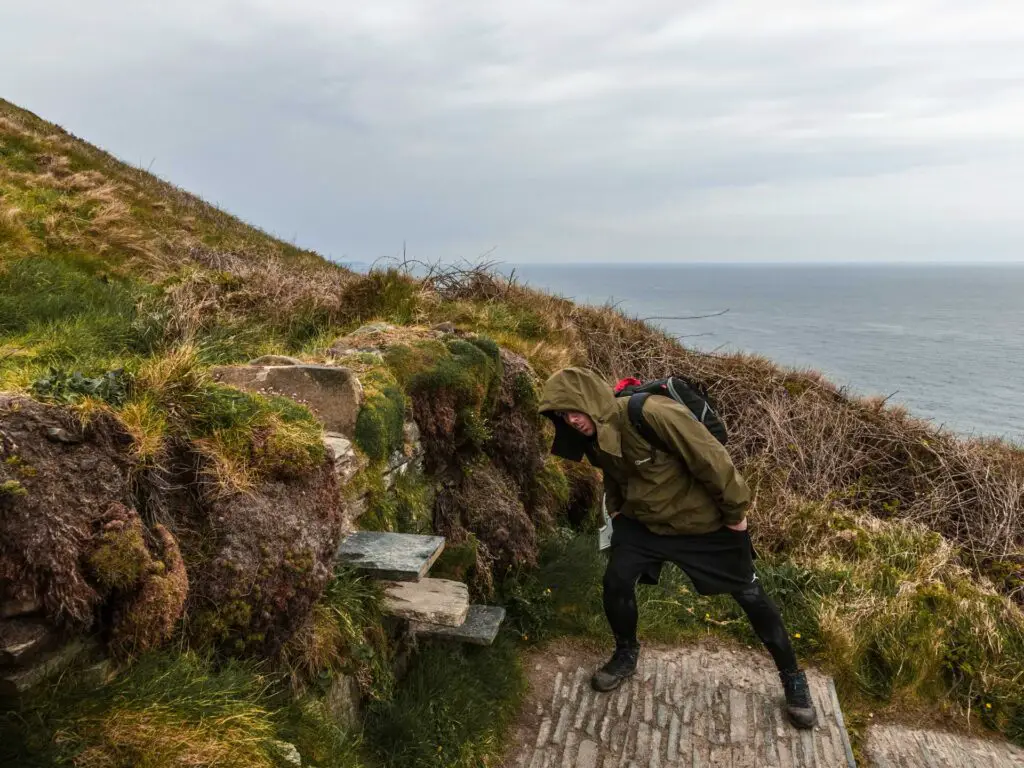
703, 455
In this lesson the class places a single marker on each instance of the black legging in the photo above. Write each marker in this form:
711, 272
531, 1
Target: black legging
620, 608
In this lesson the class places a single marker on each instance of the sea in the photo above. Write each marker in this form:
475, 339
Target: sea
946, 341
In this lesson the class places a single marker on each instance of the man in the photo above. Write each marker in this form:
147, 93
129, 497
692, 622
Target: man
687, 507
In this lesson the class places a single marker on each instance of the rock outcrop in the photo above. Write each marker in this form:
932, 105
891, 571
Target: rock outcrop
332, 393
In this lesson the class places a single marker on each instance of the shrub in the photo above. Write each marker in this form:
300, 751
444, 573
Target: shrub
59, 386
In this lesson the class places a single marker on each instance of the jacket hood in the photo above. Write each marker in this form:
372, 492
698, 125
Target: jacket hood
578, 389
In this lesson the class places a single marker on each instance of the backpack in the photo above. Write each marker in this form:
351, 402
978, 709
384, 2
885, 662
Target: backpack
680, 390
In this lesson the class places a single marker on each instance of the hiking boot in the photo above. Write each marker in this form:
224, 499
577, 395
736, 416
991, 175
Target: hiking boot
799, 706
621, 665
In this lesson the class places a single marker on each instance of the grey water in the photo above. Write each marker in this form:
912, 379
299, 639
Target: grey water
946, 341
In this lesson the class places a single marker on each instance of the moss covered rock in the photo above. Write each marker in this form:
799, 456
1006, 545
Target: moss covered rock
379, 425
63, 492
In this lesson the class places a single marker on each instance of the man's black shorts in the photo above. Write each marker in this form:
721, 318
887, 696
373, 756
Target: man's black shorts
718, 562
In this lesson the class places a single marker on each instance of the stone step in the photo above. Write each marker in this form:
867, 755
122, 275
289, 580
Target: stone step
433, 601
480, 627
10, 609
894, 745
15, 684
22, 640
393, 556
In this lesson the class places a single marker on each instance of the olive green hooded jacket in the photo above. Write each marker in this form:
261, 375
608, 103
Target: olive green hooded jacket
693, 489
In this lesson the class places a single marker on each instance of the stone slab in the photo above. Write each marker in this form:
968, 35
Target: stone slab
693, 706
344, 702
14, 685
276, 360
13, 608
393, 556
480, 627
22, 640
894, 745
347, 461
332, 393
433, 601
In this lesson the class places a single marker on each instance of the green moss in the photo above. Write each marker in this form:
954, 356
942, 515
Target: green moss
467, 383
553, 483
488, 346
216, 625
378, 431
525, 393
12, 488
474, 428
121, 559
457, 560
405, 361
469, 371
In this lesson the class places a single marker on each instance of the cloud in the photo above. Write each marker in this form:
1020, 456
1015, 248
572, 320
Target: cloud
569, 130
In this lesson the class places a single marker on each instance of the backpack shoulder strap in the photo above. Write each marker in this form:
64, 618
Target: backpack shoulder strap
635, 412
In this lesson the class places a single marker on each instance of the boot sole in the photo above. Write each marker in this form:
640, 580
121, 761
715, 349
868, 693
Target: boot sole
619, 682
800, 725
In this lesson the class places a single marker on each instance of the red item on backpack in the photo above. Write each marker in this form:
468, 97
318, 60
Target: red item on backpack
629, 382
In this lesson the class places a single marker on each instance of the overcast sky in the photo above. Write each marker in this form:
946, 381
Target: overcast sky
656, 130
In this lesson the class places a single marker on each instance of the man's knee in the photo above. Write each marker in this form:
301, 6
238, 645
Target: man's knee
750, 594
617, 582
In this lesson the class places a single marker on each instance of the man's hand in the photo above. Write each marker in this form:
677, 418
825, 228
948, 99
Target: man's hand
740, 526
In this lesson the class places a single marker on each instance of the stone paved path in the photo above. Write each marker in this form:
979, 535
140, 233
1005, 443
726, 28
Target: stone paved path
690, 706
889, 746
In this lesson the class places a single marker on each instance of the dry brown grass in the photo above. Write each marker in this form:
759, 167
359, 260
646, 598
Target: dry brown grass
227, 287
156, 737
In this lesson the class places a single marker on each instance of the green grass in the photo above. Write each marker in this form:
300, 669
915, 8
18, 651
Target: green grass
406, 507
344, 635
58, 313
307, 724
166, 710
174, 710
453, 710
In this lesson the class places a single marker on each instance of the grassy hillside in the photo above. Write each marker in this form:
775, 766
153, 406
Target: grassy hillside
895, 550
